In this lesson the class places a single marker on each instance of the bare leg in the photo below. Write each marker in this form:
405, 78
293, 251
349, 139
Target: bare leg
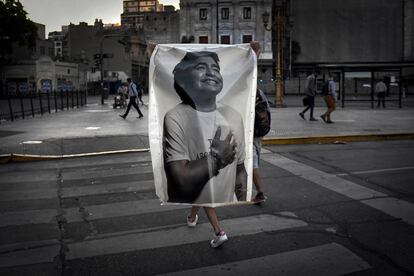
212, 217
194, 211
257, 180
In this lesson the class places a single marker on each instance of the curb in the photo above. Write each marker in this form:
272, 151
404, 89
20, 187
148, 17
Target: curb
15, 157
338, 139
267, 141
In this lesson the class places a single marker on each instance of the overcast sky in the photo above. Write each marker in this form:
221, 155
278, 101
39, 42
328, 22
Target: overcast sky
55, 13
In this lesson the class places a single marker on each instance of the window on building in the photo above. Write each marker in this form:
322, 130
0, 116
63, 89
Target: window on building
247, 38
203, 14
247, 13
225, 13
225, 39
203, 39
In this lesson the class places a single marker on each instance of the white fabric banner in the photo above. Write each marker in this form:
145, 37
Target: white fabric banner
201, 119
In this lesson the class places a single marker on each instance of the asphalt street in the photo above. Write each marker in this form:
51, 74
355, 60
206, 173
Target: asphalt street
337, 209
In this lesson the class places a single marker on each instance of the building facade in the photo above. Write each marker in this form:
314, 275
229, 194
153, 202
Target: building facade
162, 27
123, 51
229, 22
132, 16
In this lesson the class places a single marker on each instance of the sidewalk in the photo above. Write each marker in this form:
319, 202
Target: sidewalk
98, 128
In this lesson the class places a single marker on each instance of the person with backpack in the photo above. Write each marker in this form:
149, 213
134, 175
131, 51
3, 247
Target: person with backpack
261, 128
309, 100
329, 95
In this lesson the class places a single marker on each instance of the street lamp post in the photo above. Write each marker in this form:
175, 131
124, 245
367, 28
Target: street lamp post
277, 25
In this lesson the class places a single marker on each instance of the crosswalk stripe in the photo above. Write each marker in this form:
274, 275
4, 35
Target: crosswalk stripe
118, 209
31, 256
181, 235
5, 248
380, 201
100, 189
16, 177
105, 172
329, 259
28, 217
23, 194
376, 171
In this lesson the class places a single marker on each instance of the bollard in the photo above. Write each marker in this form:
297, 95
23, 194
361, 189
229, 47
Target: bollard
55, 97
48, 101
10, 107
67, 100
31, 102
41, 103
71, 93
21, 103
61, 100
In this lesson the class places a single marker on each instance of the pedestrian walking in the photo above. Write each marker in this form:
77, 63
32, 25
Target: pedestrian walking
202, 167
261, 128
310, 93
329, 95
381, 90
140, 89
133, 94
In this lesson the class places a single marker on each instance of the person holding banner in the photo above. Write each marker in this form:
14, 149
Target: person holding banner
204, 148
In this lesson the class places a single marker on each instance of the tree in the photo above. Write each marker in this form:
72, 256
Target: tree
15, 27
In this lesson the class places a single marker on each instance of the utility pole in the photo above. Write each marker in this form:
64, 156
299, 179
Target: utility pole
217, 22
101, 57
277, 27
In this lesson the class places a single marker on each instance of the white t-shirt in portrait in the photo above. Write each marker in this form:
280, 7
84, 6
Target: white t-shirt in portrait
187, 136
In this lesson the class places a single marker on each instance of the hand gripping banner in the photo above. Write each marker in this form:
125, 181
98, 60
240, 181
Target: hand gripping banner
201, 117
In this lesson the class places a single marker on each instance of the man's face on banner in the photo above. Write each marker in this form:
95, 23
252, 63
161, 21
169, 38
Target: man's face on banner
206, 77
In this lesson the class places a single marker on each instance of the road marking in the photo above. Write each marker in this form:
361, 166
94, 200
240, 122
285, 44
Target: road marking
30, 256
402, 118
28, 217
104, 172
16, 177
344, 120
92, 128
392, 206
376, 171
181, 235
28, 194
96, 111
100, 189
328, 259
32, 142
118, 209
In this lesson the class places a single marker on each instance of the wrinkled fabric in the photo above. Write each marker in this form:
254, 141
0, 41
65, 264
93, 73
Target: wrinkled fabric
238, 68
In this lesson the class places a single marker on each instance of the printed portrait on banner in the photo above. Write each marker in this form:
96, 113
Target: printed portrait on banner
201, 123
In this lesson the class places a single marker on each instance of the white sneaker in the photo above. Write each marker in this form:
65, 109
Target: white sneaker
192, 223
218, 240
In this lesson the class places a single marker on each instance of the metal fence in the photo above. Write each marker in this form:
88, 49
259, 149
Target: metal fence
34, 104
